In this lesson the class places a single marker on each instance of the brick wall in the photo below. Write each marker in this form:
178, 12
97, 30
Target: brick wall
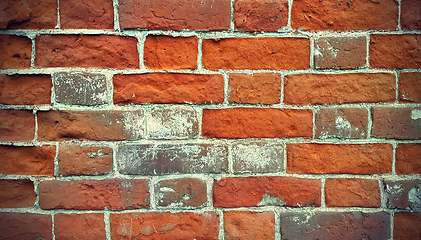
210, 119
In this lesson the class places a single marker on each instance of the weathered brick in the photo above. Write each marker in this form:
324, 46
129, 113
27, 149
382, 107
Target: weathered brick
93, 125
340, 52
166, 52
165, 225
406, 226
25, 226
38, 161
175, 15
398, 123
98, 14
409, 86
411, 14
266, 191
28, 14
181, 193
257, 123
263, 88
335, 225
17, 125
404, 194
395, 51
25, 89
408, 159
177, 122
256, 53
309, 89
257, 15
153, 159
79, 226
100, 51
257, 157
85, 160
94, 195
339, 159
168, 88
344, 16
341, 123
352, 192
17, 193
15, 52
249, 225
80, 88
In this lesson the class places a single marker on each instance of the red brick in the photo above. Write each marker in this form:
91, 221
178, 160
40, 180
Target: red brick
183, 192
25, 89
79, 226
335, 225
258, 88
86, 160
339, 159
175, 15
165, 225
257, 15
266, 191
38, 161
172, 158
175, 122
408, 159
249, 225
310, 89
340, 52
256, 53
257, 123
94, 195
100, 51
17, 125
15, 52
341, 123
93, 125
93, 14
28, 14
166, 52
80, 88
352, 192
406, 226
411, 14
397, 123
17, 193
409, 87
344, 16
168, 88
404, 194
25, 226
257, 156
395, 51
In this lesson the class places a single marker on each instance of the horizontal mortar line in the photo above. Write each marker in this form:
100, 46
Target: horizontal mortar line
286, 209
204, 33
216, 141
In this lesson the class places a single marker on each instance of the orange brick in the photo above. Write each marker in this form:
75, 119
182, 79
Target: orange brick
38, 161
407, 226
259, 88
79, 226
395, 51
17, 193
266, 191
25, 226
25, 89
339, 159
409, 87
309, 89
352, 193
98, 14
166, 52
15, 52
17, 125
257, 123
256, 53
408, 159
249, 225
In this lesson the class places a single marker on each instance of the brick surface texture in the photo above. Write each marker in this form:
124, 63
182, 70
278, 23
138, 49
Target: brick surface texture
210, 119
